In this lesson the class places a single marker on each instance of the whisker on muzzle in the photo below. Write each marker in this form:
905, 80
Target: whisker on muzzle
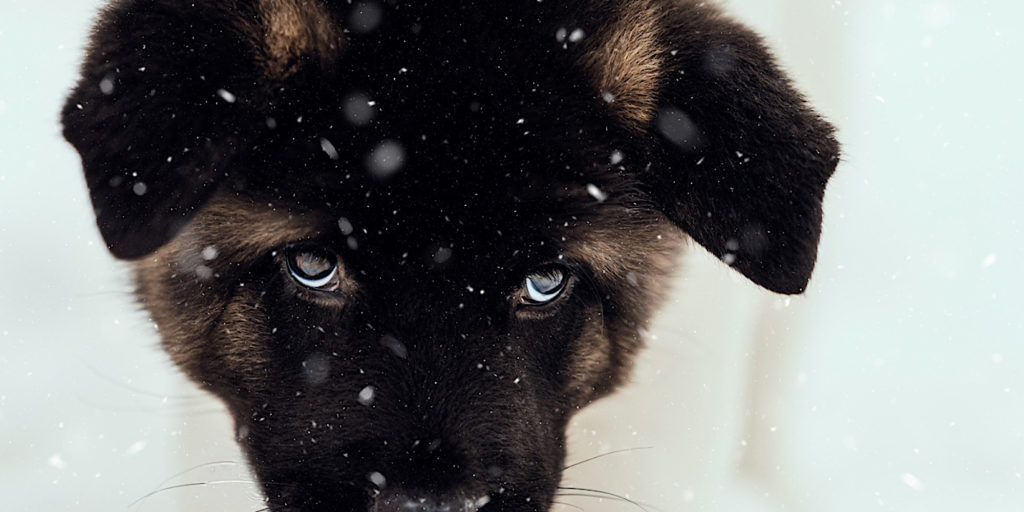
599, 494
135, 390
198, 466
564, 504
188, 485
594, 493
179, 408
130, 398
600, 455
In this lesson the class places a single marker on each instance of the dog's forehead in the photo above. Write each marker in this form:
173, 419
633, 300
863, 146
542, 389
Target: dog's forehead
476, 229
473, 153
442, 145
474, 94
462, 224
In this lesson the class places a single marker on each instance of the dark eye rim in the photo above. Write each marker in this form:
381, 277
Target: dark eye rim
559, 293
330, 277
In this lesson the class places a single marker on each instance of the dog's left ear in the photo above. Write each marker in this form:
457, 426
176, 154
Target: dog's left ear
171, 93
737, 158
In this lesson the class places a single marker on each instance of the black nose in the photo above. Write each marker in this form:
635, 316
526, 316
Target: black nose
396, 500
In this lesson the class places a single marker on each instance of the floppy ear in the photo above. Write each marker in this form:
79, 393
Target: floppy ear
738, 159
170, 92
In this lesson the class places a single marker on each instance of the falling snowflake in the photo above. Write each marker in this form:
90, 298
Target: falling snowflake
345, 226
912, 481
226, 95
366, 395
56, 461
395, 346
209, 252
107, 85
328, 148
136, 447
385, 159
377, 478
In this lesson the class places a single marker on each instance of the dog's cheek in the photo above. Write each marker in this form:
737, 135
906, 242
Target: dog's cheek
241, 348
182, 307
214, 331
588, 368
629, 273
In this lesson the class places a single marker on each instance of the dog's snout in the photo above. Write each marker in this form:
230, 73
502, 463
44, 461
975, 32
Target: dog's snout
397, 500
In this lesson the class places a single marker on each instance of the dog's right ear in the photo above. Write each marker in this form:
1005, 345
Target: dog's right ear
170, 92
736, 157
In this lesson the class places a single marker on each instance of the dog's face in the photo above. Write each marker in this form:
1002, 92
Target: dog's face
404, 244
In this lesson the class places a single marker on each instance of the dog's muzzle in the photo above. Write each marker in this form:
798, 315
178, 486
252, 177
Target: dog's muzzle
398, 500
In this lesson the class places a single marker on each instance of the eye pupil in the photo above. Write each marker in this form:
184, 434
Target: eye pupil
313, 268
546, 282
543, 286
312, 265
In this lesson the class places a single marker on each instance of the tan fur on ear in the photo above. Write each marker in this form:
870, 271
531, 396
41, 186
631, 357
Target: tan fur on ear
625, 61
293, 30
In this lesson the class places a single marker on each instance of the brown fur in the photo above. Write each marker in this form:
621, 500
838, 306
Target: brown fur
181, 276
626, 61
294, 30
639, 276
229, 147
227, 223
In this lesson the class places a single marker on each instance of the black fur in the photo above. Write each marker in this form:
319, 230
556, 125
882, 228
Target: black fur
191, 130
749, 182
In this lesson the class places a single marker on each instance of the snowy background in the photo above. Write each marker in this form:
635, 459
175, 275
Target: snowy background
895, 383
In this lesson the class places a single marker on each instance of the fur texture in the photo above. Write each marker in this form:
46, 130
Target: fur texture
440, 154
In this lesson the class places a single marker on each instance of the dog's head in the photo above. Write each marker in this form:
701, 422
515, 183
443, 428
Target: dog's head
405, 243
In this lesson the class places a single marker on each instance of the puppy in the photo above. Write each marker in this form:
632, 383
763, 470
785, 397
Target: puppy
404, 242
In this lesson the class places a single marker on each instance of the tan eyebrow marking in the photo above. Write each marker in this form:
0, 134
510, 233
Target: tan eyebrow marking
292, 30
626, 62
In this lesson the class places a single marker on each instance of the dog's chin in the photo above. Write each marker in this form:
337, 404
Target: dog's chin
316, 498
309, 498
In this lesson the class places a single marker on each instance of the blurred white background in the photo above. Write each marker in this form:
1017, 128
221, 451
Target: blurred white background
895, 383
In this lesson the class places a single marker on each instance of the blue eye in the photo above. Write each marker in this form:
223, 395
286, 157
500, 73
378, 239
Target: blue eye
543, 285
313, 268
